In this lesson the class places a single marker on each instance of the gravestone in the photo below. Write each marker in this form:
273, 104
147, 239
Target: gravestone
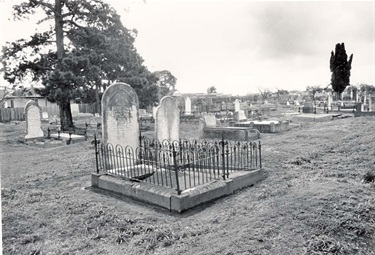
209, 121
308, 106
167, 123
329, 102
74, 108
120, 120
142, 112
237, 105
45, 115
287, 103
369, 103
33, 120
187, 106
239, 116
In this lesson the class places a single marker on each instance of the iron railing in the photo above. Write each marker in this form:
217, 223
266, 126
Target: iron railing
179, 165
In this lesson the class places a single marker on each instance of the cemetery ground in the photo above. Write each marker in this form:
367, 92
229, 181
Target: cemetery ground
314, 200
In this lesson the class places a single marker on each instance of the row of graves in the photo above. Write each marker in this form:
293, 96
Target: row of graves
168, 171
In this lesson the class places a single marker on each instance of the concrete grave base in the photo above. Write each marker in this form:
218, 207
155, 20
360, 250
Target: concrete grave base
43, 143
65, 136
168, 198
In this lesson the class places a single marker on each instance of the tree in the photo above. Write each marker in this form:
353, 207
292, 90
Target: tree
313, 90
265, 93
98, 50
166, 82
211, 90
340, 67
370, 89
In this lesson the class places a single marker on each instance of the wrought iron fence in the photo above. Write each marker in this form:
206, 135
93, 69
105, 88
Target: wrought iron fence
179, 165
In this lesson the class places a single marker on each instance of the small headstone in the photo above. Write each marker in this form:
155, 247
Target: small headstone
33, 120
120, 122
237, 105
142, 112
210, 121
45, 115
74, 108
239, 116
187, 106
167, 122
287, 103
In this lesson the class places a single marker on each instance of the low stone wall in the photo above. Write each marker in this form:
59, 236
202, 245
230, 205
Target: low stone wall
168, 198
231, 133
364, 114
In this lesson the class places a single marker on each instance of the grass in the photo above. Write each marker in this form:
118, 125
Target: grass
318, 198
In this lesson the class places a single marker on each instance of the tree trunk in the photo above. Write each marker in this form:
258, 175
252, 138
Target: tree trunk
59, 31
66, 119
64, 104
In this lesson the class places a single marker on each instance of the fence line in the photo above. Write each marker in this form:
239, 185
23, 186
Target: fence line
12, 114
179, 165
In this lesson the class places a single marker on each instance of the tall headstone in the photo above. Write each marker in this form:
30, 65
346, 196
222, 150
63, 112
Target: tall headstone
369, 103
33, 120
329, 101
167, 123
74, 108
356, 96
120, 122
237, 105
187, 106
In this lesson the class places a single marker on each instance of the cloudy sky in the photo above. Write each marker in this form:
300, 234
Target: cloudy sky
240, 46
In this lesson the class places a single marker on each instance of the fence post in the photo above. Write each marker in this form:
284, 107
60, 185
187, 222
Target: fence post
176, 169
223, 154
96, 153
260, 155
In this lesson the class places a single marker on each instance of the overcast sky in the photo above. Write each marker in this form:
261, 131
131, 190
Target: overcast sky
238, 46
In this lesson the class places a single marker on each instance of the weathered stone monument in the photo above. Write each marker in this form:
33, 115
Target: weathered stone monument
120, 122
369, 103
308, 106
329, 102
237, 105
188, 106
74, 108
33, 120
210, 121
167, 123
239, 116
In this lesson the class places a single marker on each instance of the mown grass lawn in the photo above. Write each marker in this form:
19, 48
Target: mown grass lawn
313, 201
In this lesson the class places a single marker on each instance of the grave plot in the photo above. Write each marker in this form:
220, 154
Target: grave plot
177, 175
169, 172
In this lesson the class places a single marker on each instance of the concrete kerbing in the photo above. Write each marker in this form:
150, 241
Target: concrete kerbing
168, 198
